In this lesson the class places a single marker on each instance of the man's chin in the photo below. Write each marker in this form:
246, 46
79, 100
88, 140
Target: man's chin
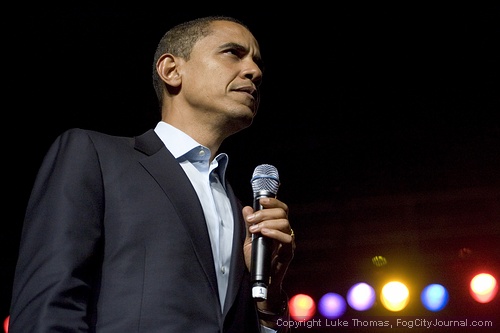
240, 123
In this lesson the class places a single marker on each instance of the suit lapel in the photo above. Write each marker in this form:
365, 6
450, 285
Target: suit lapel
237, 258
165, 169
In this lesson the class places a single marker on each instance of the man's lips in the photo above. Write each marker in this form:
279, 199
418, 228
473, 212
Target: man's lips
247, 89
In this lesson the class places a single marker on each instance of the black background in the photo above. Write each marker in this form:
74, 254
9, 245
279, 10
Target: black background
372, 101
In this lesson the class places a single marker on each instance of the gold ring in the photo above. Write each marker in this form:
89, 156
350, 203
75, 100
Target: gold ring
292, 233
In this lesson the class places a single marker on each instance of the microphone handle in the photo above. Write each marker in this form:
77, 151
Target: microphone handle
262, 248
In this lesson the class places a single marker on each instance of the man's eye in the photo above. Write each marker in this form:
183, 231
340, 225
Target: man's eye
232, 51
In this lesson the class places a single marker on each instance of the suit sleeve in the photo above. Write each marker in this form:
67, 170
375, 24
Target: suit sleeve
61, 245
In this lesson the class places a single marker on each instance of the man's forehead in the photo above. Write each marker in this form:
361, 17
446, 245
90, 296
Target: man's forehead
227, 32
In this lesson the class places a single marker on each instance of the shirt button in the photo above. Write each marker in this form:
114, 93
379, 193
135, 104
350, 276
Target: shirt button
223, 269
201, 152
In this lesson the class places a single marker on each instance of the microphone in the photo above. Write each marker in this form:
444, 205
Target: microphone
265, 183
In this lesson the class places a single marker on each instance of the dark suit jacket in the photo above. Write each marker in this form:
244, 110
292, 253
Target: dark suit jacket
115, 240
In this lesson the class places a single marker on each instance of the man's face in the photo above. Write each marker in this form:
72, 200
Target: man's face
220, 79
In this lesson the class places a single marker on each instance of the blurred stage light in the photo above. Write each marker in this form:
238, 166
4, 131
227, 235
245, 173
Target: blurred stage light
302, 307
379, 261
483, 287
361, 296
394, 296
6, 324
434, 297
332, 305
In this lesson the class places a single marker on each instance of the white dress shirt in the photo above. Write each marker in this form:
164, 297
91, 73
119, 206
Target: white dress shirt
208, 181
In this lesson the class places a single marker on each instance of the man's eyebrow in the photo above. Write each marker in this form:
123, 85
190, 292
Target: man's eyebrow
232, 45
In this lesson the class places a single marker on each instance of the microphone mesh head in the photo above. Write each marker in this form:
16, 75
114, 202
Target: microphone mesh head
265, 178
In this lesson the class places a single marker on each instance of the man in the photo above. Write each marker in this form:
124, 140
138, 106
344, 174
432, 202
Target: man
145, 234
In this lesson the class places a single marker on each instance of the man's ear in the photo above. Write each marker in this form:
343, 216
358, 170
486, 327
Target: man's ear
168, 71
